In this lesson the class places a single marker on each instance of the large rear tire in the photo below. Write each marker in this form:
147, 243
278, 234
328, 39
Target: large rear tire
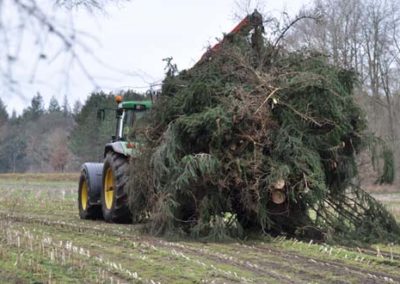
114, 198
89, 191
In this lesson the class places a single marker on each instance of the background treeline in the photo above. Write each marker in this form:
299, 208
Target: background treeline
360, 35
56, 138
363, 36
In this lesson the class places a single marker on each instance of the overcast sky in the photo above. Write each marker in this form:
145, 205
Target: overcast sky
129, 42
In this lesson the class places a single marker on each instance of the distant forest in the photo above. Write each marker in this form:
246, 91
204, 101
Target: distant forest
57, 137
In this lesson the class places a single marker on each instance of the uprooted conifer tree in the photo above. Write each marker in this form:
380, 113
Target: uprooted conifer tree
255, 137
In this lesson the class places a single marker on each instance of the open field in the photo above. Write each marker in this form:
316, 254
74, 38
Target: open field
42, 240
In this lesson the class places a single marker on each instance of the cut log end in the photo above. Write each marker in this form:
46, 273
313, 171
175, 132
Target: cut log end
278, 196
279, 184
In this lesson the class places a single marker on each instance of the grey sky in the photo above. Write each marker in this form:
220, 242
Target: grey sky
133, 37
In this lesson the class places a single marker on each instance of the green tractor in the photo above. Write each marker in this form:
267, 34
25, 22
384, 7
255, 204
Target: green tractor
102, 192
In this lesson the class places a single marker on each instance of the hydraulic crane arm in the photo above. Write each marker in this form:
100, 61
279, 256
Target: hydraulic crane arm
249, 23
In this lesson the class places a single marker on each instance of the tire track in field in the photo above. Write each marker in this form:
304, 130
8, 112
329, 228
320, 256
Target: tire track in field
376, 253
285, 262
154, 243
339, 267
33, 246
288, 263
108, 252
271, 269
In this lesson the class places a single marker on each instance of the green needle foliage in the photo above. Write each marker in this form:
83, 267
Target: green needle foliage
223, 134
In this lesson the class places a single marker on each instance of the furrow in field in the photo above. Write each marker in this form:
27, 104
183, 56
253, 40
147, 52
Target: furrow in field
277, 269
150, 262
339, 268
263, 263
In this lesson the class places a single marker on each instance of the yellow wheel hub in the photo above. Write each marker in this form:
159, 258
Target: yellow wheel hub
84, 195
109, 188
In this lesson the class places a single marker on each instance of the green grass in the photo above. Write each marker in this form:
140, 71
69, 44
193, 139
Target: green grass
391, 201
42, 240
41, 177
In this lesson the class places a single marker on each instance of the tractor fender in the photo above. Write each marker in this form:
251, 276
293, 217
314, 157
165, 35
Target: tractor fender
117, 147
94, 174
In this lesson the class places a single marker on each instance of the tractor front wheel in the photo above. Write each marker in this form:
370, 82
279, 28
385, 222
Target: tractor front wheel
114, 198
89, 191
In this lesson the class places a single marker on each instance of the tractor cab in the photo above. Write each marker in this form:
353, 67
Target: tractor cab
128, 113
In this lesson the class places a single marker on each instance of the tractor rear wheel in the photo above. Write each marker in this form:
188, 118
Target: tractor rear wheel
89, 191
114, 198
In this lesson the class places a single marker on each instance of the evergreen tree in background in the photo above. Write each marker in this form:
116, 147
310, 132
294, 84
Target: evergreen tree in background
66, 109
37, 141
12, 147
36, 109
54, 106
13, 115
91, 133
3, 113
13, 154
77, 108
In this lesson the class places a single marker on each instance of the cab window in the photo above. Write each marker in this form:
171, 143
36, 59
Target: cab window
132, 117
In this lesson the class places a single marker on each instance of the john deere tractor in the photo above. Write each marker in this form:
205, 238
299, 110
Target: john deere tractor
102, 192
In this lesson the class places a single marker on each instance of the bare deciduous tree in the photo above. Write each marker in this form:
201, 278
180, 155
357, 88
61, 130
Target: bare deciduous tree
363, 36
34, 32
